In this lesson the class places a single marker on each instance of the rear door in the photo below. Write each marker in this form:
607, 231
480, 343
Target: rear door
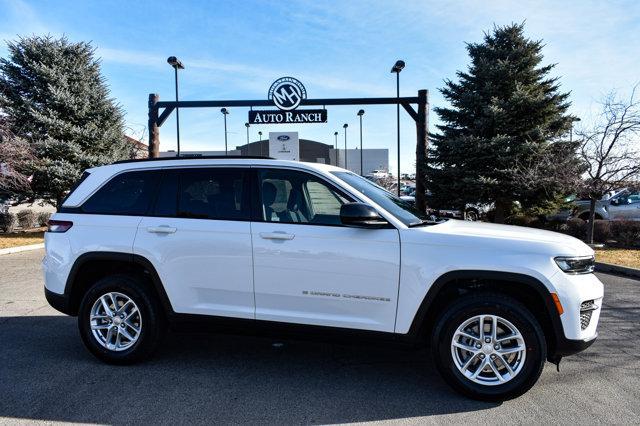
198, 238
309, 268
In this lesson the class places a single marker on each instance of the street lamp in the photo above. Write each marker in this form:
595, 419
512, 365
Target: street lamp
571, 134
360, 114
224, 114
260, 142
337, 150
176, 64
344, 126
399, 66
248, 145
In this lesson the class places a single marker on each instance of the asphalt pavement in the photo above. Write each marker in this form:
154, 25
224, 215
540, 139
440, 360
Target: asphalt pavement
46, 375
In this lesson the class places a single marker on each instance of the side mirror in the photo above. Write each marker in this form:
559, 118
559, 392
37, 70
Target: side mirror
614, 202
361, 215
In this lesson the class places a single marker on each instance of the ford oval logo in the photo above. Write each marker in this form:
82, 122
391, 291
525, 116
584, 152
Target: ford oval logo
283, 138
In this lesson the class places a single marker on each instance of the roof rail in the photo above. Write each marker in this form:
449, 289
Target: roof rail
202, 157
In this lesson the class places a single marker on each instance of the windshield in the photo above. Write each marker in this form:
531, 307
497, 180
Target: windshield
399, 208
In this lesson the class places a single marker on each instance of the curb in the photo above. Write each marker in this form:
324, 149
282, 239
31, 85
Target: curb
19, 249
607, 267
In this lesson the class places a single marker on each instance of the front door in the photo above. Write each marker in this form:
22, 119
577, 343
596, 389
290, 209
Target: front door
309, 268
198, 238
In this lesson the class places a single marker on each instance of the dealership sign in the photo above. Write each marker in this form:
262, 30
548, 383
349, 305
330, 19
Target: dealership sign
287, 93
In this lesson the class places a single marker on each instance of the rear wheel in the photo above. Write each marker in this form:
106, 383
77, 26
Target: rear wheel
489, 347
120, 321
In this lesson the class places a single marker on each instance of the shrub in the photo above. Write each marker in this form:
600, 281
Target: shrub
43, 218
574, 227
521, 220
626, 232
8, 222
601, 231
26, 218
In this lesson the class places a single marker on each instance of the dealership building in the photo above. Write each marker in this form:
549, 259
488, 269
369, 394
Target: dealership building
288, 146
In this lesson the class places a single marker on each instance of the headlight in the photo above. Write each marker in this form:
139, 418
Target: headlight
576, 265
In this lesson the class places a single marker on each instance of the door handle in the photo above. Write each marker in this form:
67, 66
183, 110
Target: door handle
276, 236
162, 229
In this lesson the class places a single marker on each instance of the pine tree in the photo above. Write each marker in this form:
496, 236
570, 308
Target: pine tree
54, 96
501, 139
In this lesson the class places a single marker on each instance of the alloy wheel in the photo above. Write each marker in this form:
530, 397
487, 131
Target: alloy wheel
115, 321
488, 350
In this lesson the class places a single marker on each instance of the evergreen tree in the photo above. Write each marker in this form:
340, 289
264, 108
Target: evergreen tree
55, 97
500, 141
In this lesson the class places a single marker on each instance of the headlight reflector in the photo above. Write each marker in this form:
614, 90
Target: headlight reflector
576, 265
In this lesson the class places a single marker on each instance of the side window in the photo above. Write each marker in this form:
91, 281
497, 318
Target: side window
166, 204
213, 193
634, 198
296, 197
125, 194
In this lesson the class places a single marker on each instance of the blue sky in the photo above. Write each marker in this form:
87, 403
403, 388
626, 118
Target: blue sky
236, 49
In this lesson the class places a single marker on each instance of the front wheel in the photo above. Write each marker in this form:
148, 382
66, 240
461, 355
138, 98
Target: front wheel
471, 215
489, 347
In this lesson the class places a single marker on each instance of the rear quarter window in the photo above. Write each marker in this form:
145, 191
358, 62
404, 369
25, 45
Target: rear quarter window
128, 193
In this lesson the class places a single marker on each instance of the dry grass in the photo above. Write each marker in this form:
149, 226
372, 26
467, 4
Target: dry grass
17, 239
622, 257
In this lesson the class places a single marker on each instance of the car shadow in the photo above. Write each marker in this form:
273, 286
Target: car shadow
46, 374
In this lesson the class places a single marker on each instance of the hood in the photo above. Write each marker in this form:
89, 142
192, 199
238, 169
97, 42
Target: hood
495, 236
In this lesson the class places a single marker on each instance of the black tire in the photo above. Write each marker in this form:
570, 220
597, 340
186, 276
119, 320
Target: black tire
472, 215
493, 304
153, 323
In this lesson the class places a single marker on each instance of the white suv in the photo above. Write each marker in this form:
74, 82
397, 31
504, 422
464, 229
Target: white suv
276, 245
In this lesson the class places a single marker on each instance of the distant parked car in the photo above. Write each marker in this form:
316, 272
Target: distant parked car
621, 205
472, 212
378, 174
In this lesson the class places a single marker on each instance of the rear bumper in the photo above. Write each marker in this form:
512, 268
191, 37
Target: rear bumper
59, 302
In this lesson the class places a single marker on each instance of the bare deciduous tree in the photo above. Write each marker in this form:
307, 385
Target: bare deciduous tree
15, 156
611, 149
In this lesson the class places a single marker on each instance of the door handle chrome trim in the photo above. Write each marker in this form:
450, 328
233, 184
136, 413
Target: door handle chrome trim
276, 236
161, 229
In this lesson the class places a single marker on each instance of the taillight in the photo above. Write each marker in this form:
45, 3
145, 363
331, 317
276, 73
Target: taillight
59, 225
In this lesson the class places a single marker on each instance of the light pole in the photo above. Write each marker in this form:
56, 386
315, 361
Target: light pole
337, 150
248, 145
399, 65
571, 134
224, 114
176, 64
260, 142
360, 114
344, 126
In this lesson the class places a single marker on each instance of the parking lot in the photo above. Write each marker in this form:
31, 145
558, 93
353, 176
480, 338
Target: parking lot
47, 375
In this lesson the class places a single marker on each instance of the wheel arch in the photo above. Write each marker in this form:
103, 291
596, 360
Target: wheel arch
92, 266
526, 289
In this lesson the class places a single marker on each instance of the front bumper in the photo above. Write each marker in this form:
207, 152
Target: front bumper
566, 347
575, 334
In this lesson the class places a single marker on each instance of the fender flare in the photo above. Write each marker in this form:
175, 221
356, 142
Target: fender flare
420, 319
133, 259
